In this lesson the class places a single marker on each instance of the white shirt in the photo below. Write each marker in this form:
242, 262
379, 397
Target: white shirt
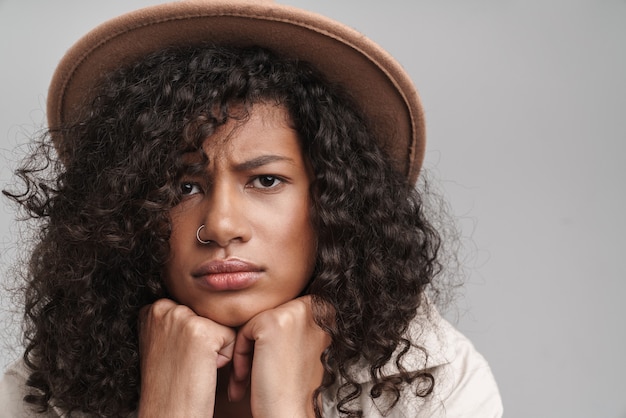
464, 385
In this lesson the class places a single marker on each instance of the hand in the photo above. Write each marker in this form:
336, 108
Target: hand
180, 354
286, 344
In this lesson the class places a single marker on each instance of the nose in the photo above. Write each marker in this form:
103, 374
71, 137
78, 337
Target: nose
225, 217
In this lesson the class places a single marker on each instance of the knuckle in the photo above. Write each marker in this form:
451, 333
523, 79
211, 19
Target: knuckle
159, 308
287, 319
180, 313
193, 327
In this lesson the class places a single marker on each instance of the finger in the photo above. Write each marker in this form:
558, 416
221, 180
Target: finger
225, 354
242, 364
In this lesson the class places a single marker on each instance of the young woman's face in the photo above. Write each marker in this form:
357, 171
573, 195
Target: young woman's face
253, 200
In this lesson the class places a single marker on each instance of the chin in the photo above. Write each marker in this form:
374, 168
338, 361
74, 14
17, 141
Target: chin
230, 318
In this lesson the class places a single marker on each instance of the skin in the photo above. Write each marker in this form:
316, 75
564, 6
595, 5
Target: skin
254, 201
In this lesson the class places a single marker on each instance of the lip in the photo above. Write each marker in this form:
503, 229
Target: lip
229, 274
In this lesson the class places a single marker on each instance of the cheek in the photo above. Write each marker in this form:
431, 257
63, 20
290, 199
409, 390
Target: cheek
301, 239
170, 267
179, 242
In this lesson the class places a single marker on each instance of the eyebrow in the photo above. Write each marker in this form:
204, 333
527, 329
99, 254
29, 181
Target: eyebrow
261, 161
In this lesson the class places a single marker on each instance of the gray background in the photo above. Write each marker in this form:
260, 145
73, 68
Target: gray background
525, 103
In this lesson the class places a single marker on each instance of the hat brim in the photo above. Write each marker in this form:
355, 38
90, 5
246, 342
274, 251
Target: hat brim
371, 76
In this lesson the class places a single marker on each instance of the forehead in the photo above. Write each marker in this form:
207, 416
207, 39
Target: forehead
259, 128
261, 116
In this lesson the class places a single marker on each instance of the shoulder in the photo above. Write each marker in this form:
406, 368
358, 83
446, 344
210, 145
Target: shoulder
12, 391
464, 385
13, 388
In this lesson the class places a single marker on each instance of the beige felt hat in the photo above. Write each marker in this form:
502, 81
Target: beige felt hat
374, 78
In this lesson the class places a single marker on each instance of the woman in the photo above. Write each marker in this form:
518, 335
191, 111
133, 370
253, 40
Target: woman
230, 228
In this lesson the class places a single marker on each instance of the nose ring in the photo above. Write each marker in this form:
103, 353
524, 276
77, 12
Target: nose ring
200, 240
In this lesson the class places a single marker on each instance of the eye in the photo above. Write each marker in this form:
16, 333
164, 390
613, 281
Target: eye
265, 182
188, 188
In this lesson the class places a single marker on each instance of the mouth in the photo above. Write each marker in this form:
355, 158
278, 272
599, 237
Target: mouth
227, 275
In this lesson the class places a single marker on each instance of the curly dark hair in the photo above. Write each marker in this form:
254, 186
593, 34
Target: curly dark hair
103, 210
